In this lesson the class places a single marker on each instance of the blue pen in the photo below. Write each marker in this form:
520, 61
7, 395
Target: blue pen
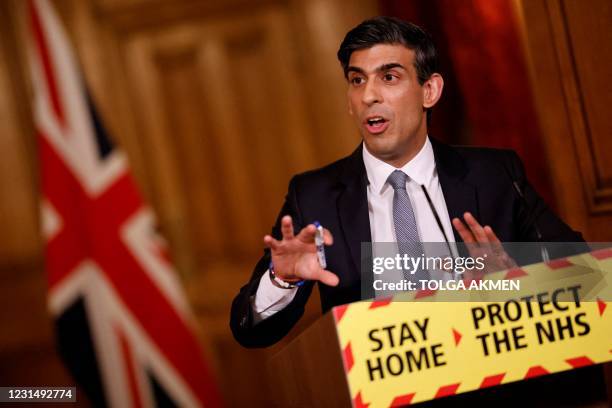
320, 244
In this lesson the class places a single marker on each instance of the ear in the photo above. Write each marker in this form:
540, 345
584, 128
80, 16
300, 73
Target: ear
350, 108
432, 90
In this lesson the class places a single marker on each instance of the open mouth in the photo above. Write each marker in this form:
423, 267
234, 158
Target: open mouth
376, 124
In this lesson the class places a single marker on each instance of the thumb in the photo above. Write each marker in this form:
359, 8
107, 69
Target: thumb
328, 278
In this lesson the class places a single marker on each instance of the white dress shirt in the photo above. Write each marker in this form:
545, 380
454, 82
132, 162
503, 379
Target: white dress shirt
421, 170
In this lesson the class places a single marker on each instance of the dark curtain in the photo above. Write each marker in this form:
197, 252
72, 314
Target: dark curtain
487, 99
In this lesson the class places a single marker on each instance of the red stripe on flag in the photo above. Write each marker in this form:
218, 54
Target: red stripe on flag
129, 365
447, 390
402, 400
162, 252
492, 380
65, 194
91, 230
168, 329
45, 58
95, 232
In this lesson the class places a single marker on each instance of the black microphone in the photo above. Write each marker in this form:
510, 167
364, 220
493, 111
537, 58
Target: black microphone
438, 221
543, 251
435, 213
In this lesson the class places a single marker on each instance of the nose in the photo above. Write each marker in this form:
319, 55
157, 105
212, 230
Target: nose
371, 93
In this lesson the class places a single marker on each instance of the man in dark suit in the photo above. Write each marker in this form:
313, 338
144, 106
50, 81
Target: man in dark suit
379, 193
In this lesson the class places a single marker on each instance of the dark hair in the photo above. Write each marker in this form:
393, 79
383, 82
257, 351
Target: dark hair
391, 30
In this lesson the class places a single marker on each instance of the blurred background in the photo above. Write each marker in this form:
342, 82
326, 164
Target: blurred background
211, 99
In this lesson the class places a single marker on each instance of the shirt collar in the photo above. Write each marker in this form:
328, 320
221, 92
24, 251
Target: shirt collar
420, 169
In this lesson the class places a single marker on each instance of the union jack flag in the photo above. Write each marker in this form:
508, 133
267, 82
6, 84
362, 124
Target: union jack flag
123, 324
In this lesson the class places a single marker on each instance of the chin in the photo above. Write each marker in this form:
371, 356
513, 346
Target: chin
381, 149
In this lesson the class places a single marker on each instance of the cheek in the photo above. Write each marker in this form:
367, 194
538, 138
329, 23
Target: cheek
408, 102
353, 106
349, 102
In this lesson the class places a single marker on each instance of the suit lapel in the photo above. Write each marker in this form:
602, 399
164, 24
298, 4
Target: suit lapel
459, 195
353, 207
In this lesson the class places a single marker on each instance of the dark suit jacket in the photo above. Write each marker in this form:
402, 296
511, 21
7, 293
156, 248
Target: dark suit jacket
478, 180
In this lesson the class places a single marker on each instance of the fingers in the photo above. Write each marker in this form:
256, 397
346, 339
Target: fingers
505, 260
475, 227
472, 231
307, 234
491, 237
295, 255
496, 245
464, 232
287, 227
271, 243
328, 238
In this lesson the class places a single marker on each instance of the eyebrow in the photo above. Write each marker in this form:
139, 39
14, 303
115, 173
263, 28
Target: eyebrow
382, 68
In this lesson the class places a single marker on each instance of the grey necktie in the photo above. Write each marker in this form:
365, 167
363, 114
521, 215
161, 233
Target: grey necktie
406, 231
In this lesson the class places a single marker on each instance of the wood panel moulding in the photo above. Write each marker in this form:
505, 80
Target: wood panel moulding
582, 40
218, 99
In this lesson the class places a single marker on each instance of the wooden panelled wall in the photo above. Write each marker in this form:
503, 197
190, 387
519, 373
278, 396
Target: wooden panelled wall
569, 48
27, 354
217, 104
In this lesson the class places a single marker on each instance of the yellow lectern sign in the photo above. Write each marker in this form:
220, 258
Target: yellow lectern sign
398, 352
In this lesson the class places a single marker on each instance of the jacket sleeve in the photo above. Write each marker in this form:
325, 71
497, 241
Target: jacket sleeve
275, 327
534, 214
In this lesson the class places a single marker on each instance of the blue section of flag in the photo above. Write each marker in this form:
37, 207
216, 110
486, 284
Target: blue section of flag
77, 350
103, 142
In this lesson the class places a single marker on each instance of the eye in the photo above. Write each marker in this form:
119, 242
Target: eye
356, 80
388, 77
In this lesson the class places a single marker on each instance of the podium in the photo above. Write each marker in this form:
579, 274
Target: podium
396, 352
310, 369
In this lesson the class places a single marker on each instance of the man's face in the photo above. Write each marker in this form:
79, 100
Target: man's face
387, 102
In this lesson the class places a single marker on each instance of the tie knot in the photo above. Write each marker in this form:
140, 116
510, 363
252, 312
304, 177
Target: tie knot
397, 180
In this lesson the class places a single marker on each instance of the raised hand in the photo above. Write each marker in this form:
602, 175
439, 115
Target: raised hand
295, 256
482, 241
